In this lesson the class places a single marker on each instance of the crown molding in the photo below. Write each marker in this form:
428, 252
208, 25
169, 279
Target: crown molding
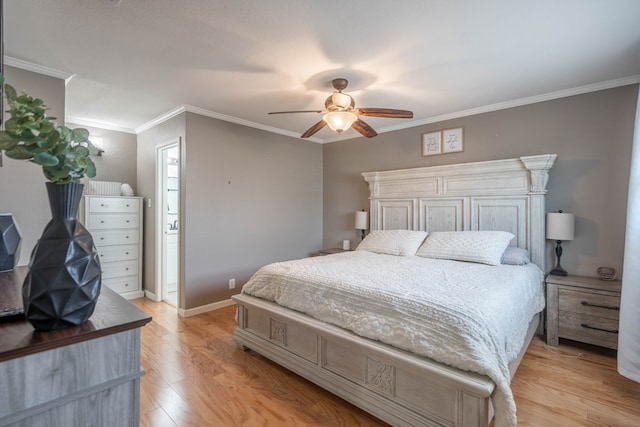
40, 69
96, 124
208, 113
609, 84
160, 119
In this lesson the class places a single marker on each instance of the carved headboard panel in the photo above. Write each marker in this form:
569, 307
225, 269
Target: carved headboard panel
503, 195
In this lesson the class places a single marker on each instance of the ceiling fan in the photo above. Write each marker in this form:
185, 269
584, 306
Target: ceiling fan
341, 113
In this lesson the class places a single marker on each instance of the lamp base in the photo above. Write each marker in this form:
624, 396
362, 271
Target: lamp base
558, 271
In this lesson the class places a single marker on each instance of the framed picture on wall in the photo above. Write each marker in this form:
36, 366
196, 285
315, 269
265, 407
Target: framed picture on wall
452, 140
431, 143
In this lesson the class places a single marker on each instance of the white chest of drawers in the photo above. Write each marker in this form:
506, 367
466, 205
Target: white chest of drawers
116, 226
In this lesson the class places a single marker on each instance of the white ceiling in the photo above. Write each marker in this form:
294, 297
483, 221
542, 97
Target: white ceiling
137, 61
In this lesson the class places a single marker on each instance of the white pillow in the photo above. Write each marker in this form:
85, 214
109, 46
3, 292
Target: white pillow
515, 256
393, 242
485, 247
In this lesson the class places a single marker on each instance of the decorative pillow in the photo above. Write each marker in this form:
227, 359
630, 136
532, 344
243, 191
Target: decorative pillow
393, 242
515, 256
485, 247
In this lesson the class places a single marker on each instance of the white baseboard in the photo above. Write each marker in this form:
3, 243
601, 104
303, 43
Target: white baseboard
205, 308
151, 296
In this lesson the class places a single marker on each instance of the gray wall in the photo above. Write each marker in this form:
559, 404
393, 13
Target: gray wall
591, 133
22, 189
118, 163
249, 197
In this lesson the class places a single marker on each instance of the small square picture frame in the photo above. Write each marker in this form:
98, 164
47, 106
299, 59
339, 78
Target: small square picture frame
431, 143
452, 140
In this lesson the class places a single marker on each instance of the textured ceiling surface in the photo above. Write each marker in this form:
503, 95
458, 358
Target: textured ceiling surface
135, 61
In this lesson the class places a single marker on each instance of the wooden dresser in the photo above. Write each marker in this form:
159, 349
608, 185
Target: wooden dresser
88, 375
584, 309
116, 226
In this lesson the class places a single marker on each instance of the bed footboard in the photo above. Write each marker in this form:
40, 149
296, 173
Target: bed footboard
393, 385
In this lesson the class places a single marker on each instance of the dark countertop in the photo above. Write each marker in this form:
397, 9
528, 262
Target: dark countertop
18, 338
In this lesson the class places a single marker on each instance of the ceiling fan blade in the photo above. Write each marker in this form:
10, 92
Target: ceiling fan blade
386, 112
298, 111
313, 129
364, 128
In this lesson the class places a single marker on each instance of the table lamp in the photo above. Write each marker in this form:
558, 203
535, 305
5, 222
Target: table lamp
560, 227
362, 219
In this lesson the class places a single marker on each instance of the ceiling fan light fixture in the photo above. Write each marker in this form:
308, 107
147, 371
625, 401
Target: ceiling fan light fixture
341, 101
340, 120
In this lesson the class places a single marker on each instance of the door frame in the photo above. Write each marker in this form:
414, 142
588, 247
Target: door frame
161, 191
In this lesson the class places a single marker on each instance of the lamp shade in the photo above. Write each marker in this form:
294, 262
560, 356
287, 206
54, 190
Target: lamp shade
560, 226
340, 120
362, 220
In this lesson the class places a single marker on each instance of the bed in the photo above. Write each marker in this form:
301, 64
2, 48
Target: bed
393, 380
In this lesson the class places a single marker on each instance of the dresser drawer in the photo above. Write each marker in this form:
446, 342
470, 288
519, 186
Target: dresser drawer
591, 329
114, 237
122, 284
118, 253
106, 204
591, 304
119, 269
111, 221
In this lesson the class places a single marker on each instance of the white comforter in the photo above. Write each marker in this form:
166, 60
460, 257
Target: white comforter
470, 316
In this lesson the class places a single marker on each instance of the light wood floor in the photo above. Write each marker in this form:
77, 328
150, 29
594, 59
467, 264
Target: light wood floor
195, 376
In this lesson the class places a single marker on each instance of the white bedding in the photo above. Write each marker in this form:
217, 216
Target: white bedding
470, 316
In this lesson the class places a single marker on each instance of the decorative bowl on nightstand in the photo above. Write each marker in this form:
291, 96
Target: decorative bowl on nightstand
606, 273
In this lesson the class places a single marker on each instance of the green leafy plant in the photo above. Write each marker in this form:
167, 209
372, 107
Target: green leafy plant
29, 134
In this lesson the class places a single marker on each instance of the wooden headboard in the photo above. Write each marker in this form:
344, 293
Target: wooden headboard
506, 195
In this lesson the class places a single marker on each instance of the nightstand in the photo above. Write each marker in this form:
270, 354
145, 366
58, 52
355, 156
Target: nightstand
332, 251
584, 309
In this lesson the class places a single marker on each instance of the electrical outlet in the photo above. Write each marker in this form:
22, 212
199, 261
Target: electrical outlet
232, 283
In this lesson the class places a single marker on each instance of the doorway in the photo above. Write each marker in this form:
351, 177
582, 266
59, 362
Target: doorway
168, 222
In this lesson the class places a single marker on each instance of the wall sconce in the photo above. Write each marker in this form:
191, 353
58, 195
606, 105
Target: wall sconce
362, 222
98, 142
560, 227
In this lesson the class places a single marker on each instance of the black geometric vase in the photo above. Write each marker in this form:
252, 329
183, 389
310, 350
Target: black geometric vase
63, 283
10, 240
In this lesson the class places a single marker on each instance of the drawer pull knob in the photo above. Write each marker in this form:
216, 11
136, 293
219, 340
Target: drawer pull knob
102, 238
585, 325
608, 307
127, 237
101, 222
128, 205
126, 253
128, 221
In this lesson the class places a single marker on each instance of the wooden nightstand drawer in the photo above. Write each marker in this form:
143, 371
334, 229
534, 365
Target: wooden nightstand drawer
590, 304
589, 329
583, 309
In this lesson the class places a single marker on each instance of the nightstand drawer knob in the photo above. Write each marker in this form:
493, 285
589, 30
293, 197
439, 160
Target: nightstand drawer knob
585, 325
608, 307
